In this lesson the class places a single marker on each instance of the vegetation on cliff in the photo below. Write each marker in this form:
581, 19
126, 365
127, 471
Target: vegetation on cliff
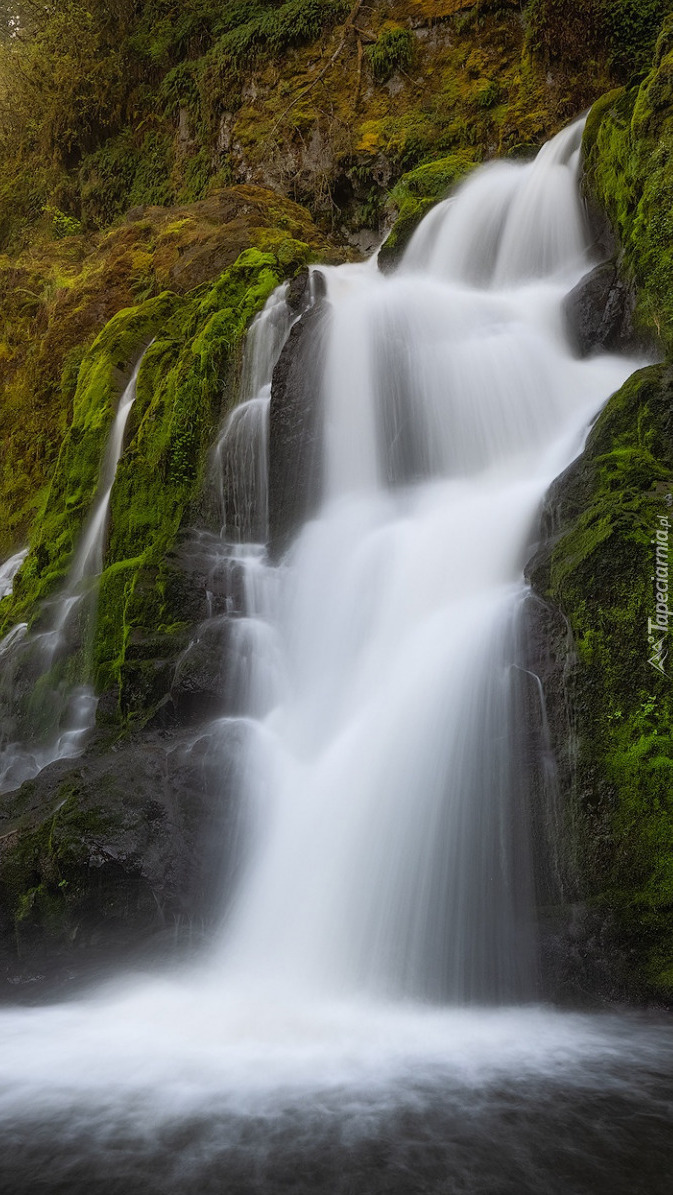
359, 112
181, 398
629, 175
105, 106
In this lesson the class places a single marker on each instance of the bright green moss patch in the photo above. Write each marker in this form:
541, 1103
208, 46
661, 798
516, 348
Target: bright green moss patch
392, 51
56, 298
69, 497
414, 195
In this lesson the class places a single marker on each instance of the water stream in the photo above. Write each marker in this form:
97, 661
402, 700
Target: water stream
369, 1018
47, 701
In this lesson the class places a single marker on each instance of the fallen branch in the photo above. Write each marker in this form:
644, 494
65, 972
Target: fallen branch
358, 80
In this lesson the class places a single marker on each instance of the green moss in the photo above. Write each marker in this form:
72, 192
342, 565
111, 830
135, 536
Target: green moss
631, 29
273, 28
628, 173
599, 573
575, 30
186, 380
67, 501
413, 197
152, 179
106, 179
56, 297
44, 876
182, 394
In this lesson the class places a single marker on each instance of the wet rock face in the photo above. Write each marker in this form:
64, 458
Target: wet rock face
599, 312
125, 853
585, 955
295, 431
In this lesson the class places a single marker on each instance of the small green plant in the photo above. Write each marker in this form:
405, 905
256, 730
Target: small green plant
631, 28
488, 94
393, 51
62, 224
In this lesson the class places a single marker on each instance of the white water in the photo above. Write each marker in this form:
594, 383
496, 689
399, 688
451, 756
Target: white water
56, 724
88, 562
386, 780
8, 572
389, 778
242, 450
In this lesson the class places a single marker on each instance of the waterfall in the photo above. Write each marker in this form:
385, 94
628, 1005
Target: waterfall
88, 562
232, 559
241, 452
46, 713
347, 1031
390, 776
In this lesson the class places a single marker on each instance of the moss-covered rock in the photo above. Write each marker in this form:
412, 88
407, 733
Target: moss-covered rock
184, 388
628, 175
56, 298
608, 525
612, 703
185, 384
69, 497
414, 195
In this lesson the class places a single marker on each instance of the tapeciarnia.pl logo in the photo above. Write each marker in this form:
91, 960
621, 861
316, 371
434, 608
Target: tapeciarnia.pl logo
657, 628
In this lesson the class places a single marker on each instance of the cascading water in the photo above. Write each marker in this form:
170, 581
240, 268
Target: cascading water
45, 714
340, 1036
232, 560
242, 449
395, 853
8, 572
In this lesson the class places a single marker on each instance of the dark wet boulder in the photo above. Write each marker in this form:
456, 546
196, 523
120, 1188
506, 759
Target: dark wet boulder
306, 288
125, 854
599, 312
